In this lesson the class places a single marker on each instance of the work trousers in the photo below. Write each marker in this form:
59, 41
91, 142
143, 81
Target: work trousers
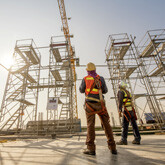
91, 127
125, 124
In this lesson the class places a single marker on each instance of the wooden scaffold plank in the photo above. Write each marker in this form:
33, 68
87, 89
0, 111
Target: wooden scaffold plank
149, 49
123, 51
56, 54
56, 75
157, 71
29, 77
25, 102
32, 55
130, 71
20, 53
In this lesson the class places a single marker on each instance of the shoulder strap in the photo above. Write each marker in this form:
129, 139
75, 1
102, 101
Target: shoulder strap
97, 81
128, 94
98, 84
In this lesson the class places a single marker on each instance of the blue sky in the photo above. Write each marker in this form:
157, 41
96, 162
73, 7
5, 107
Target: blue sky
92, 21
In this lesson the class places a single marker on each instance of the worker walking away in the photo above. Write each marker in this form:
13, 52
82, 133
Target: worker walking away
125, 102
94, 86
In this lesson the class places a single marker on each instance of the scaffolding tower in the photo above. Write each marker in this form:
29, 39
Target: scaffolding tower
24, 83
142, 68
121, 64
27, 77
151, 52
20, 102
60, 75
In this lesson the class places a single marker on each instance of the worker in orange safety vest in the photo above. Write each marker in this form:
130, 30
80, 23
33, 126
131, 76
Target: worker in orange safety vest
94, 87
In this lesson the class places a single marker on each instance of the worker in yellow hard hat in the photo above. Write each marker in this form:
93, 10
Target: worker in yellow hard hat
125, 102
94, 87
91, 67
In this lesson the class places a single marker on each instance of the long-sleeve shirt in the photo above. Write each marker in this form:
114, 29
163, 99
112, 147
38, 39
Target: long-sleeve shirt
103, 87
120, 96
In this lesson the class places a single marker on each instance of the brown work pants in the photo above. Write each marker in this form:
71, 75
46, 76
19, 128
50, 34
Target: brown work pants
91, 127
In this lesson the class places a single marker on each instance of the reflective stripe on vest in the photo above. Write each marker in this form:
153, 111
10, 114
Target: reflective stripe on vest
94, 90
89, 80
128, 103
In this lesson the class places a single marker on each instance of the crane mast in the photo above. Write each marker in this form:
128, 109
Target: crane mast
65, 28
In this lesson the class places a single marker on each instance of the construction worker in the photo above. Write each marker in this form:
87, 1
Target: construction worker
94, 86
125, 102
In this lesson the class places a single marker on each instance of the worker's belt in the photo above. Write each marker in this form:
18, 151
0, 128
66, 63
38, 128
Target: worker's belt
126, 109
91, 98
129, 108
128, 112
91, 111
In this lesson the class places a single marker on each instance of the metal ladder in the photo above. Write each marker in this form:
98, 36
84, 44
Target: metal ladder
13, 118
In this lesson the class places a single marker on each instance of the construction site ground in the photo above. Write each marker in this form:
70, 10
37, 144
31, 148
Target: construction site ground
68, 151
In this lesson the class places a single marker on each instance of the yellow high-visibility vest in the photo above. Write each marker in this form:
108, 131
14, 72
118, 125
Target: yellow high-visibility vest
129, 102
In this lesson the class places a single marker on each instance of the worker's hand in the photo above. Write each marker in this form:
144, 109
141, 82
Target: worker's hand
120, 115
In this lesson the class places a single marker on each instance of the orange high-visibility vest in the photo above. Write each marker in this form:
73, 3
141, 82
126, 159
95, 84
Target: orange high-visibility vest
89, 80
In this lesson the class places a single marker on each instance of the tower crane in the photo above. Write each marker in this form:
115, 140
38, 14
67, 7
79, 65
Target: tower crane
67, 35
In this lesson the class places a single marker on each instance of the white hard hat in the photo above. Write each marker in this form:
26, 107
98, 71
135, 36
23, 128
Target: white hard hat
122, 84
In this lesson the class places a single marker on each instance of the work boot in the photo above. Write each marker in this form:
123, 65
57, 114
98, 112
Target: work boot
121, 142
114, 152
112, 147
89, 152
135, 142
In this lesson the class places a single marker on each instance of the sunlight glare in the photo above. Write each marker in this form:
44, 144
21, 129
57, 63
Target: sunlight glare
7, 61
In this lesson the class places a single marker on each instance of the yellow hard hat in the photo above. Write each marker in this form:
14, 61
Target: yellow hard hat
90, 66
